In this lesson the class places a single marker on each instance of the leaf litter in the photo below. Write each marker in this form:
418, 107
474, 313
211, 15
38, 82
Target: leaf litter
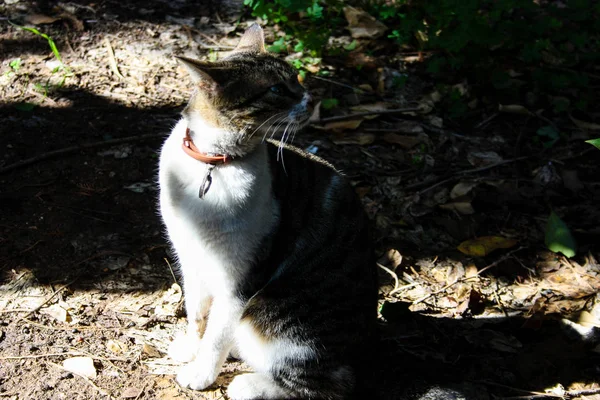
487, 313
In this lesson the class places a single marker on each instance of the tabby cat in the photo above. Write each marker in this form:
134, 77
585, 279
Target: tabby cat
272, 242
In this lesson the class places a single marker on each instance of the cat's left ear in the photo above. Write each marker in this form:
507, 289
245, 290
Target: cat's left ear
253, 41
209, 74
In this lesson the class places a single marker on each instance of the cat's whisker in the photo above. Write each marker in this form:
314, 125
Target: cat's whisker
278, 122
267, 120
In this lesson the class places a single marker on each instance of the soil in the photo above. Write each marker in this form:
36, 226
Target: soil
85, 269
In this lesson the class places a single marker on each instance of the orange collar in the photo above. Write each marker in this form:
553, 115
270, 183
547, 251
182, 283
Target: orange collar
191, 150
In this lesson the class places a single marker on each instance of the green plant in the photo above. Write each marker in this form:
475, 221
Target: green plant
61, 67
308, 23
15, 64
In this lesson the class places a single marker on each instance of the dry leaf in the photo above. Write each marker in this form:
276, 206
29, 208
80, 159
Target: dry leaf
461, 207
57, 312
462, 188
584, 124
361, 139
363, 25
338, 126
131, 393
40, 19
470, 270
83, 366
151, 351
482, 246
483, 158
116, 347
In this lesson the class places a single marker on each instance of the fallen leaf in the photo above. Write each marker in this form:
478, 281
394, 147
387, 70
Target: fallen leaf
57, 312
483, 158
131, 393
361, 139
470, 270
461, 207
40, 19
462, 188
151, 351
83, 366
115, 346
558, 236
585, 125
338, 126
363, 25
482, 246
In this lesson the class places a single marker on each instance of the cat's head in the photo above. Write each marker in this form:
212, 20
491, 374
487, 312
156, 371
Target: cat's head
250, 94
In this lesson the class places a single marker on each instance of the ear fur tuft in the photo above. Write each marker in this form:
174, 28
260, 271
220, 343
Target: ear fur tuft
252, 41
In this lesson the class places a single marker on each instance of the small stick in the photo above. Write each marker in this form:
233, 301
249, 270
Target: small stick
393, 274
367, 113
76, 354
170, 268
460, 174
112, 60
73, 149
46, 301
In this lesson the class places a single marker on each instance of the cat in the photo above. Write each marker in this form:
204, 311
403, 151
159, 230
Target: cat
272, 242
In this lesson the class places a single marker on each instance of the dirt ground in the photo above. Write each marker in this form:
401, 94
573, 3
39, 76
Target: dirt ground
89, 301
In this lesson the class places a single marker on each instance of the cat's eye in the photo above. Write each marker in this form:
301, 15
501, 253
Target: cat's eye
279, 89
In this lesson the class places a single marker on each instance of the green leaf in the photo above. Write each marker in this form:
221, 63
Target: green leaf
351, 46
558, 236
550, 133
15, 64
278, 46
594, 142
328, 104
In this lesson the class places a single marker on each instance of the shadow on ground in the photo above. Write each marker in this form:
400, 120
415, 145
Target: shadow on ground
68, 218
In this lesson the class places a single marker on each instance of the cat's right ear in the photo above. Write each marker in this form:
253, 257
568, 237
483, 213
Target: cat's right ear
206, 73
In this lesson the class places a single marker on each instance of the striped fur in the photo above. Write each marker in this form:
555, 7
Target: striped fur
276, 259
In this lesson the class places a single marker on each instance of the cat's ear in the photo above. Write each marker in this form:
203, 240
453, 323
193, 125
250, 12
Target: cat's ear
253, 41
209, 74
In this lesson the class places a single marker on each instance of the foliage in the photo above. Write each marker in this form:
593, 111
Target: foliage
594, 142
558, 236
490, 41
308, 22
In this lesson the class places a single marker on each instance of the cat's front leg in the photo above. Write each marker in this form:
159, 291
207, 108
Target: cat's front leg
222, 321
186, 345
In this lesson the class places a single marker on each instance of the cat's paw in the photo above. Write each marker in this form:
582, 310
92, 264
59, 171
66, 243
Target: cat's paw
255, 386
184, 347
197, 375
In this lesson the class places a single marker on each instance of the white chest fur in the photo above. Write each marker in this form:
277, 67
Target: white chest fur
216, 237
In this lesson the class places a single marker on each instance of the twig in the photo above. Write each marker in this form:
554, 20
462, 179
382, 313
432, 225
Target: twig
392, 273
72, 149
171, 269
460, 174
46, 301
367, 113
69, 353
486, 121
338, 83
498, 261
112, 60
